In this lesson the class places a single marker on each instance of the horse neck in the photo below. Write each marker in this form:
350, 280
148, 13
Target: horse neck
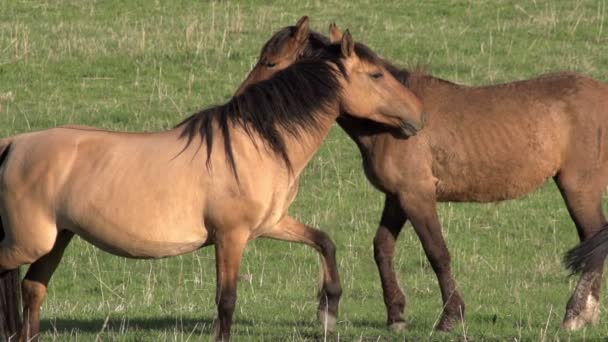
363, 132
302, 148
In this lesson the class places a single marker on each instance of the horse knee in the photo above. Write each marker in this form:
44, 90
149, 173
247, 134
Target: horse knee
440, 261
328, 247
383, 249
226, 303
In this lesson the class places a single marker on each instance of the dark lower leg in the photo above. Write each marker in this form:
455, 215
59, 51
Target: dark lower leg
584, 206
33, 296
391, 223
228, 253
331, 290
424, 218
290, 229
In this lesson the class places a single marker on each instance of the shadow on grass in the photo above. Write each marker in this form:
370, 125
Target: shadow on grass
120, 324
306, 329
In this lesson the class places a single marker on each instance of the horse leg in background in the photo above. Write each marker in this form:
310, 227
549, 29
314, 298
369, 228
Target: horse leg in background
421, 208
583, 198
391, 223
289, 229
229, 248
35, 283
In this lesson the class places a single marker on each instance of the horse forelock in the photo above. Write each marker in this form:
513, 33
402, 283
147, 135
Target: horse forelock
289, 103
278, 41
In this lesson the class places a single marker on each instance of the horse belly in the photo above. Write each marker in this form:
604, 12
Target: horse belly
144, 243
137, 221
490, 190
496, 179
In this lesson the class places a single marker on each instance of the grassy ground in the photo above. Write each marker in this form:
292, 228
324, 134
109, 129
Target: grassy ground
144, 65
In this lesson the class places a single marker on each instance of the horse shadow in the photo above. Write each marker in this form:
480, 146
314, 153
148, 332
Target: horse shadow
120, 324
203, 325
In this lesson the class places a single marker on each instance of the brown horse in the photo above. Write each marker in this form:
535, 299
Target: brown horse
481, 144
149, 195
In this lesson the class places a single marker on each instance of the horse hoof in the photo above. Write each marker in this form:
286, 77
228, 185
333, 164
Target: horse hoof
446, 324
589, 314
573, 324
397, 326
328, 320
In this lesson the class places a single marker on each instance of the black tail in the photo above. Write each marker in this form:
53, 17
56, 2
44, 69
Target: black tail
10, 287
10, 295
589, 254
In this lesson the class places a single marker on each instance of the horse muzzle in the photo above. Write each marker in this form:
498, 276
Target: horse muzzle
411, 128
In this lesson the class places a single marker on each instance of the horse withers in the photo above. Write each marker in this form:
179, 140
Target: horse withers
480, 144
224, 176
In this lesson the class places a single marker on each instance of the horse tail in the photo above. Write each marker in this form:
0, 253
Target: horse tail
10, 289
10, 294
589, 254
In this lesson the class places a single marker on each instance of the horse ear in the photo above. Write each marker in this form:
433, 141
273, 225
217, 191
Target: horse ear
347, 45
302, 29
335, 34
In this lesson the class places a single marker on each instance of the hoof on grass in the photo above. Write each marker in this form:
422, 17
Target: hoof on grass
328, 320
446, 324
397, 326
590, 314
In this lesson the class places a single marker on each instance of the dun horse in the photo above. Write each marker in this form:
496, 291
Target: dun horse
481, 144
153, 195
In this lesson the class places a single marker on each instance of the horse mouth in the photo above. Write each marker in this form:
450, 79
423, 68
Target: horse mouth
409, 129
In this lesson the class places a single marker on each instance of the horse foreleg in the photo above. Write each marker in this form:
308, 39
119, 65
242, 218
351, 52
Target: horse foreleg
289, 229
421, 208
34, 286
229, 248
391, 223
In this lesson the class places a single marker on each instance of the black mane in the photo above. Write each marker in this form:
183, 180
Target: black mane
287, 103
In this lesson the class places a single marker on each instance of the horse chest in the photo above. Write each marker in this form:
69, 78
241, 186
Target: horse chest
383, 177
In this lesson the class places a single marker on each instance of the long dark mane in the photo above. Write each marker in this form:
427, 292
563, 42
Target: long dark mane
288, 103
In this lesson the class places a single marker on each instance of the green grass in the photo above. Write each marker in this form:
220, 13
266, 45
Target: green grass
144, 65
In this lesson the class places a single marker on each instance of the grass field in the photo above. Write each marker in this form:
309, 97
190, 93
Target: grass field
144, 65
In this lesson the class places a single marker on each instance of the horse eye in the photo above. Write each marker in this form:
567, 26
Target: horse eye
376, 75
270, 65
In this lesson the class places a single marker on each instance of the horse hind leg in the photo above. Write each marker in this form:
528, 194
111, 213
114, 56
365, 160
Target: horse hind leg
18, 247
583, 197
34, 286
